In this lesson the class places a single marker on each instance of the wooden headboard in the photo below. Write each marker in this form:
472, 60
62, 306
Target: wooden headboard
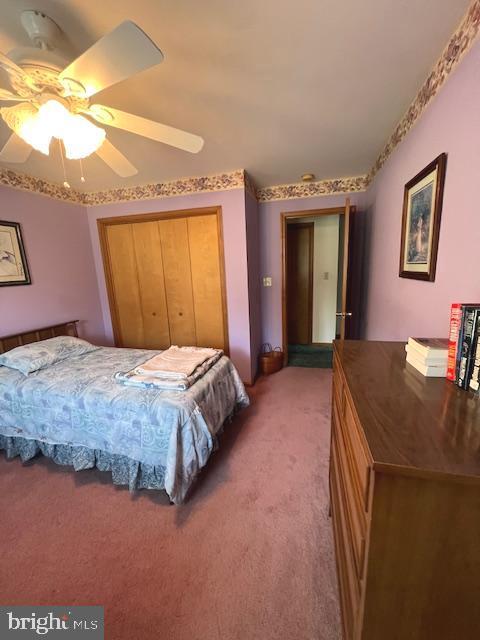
35, 335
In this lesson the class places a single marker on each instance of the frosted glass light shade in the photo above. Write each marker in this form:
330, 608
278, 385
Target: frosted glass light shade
82, 138
52, 119
23, 120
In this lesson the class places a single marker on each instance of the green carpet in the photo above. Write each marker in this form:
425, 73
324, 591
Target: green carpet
307, 355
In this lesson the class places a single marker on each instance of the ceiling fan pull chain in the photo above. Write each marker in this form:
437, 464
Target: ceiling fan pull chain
66, 184
82, 177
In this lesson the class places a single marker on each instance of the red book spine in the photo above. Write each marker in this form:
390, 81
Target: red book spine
455, 320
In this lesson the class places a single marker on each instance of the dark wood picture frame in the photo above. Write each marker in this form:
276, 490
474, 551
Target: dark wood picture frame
25, 279
436, 170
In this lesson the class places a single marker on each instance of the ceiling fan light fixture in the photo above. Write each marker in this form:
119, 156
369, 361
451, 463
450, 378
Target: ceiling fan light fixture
35, 135
52, 119
82, 138
23, 119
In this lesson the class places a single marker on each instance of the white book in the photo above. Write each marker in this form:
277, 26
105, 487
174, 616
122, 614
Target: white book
427, 370
436, 360
430, 347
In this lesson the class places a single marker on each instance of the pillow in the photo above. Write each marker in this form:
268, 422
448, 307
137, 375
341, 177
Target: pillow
39, 355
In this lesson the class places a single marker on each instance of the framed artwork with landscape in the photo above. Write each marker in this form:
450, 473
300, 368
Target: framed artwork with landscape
422, 210
13, 261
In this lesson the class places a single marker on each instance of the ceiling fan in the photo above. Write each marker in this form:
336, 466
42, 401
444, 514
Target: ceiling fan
53, 98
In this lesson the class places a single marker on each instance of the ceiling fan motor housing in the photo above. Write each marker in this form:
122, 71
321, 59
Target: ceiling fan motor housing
41, 29
44, 33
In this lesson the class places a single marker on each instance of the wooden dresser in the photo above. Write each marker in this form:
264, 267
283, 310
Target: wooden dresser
405, 498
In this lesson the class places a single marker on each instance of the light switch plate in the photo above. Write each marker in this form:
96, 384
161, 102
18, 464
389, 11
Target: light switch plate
267, 281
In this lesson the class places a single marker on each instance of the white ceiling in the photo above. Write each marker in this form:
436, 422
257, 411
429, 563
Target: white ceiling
274, 86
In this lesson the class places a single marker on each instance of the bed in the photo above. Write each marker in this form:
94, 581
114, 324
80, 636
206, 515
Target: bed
75, 413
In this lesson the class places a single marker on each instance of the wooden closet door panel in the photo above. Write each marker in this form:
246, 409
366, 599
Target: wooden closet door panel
206, 281
178, 281
148, 251
124, 277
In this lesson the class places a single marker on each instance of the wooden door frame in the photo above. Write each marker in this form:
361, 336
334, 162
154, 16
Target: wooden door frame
311, 227
103, 223
284, 218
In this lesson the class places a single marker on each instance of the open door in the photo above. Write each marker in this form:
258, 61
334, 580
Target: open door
299, 282
344, 313
350, 307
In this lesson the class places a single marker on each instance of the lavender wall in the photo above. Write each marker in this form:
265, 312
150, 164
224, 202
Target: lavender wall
271, 254
235, 245
59, 254
396, 307
253, 257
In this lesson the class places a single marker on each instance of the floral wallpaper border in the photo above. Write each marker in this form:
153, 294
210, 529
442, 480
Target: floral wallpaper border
181, 187
459, 44
22, 181
312, 189
184, 186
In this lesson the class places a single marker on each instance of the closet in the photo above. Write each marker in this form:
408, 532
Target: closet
165, 279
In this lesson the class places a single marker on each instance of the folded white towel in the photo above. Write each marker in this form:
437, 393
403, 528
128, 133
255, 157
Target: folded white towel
176, 362
132, 379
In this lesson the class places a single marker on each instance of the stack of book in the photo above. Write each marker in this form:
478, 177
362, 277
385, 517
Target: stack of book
464, 346
428, 355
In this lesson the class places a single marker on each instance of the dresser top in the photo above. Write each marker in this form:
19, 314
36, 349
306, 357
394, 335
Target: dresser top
421, 425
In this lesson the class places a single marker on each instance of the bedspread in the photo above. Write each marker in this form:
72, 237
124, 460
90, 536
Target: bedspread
77, 402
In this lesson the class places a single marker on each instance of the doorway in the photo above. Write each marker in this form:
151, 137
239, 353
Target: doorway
300, 266
315, 255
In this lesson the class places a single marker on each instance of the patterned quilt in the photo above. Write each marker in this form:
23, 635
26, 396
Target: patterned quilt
78, 402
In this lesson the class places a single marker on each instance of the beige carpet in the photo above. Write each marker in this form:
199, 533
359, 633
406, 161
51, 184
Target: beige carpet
249, 557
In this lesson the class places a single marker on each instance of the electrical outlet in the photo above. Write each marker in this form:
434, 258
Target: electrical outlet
267, 281
326, 275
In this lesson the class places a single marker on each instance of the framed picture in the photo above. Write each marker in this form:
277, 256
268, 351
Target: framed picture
13, 261
422, 210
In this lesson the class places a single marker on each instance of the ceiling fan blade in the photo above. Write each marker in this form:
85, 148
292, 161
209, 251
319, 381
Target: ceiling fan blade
116, 160
15, 150
147, 128
8, 96
123, 52
12, 67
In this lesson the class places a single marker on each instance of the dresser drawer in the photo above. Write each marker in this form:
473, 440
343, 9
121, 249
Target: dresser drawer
355, 515
357, 451
349, 586
338, 384
361, 463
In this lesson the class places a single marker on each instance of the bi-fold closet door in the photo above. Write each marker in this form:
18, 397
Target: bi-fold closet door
165, 280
